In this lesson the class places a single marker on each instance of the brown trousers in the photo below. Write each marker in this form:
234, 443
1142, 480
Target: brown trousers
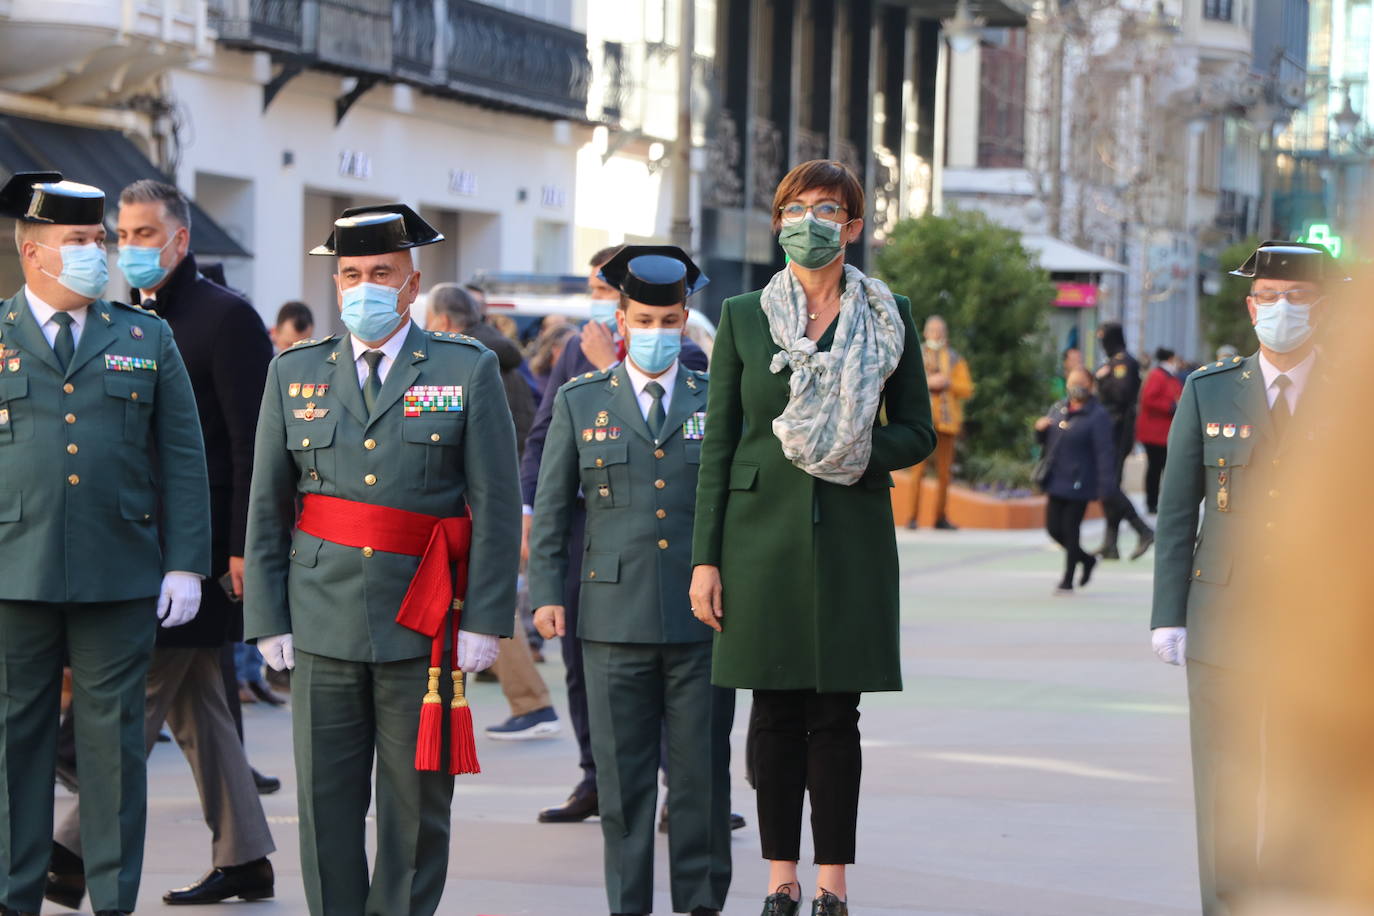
524, 688
943, 456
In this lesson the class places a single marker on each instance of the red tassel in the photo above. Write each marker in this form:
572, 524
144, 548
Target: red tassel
431, 737
462, 742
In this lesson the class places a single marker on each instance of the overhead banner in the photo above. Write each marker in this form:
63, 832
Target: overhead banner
1075, 295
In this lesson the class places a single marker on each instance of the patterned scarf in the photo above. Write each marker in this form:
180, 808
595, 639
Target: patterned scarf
827, 427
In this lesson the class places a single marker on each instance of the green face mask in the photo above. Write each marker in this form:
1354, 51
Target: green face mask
812, 243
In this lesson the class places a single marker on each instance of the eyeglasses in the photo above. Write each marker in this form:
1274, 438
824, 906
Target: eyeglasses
795, 212
1297, 296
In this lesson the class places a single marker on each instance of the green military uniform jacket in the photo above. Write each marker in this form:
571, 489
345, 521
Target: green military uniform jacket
98, 460
640, 496
811, 588
1222, 449
341, 601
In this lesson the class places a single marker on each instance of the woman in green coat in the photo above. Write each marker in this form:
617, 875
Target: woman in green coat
817, 392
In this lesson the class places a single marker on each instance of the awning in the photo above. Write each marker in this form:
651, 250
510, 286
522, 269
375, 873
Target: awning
104, 158
1062, 258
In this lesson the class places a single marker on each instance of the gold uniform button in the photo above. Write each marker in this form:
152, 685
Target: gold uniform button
369, 444
370, 479
592, 574
305, 443
1197, 572
1221, 462
660, 483
70, 418
658, 453
71, 448
68, 388
662, 544
133, 395
433, 437
367, 551
73, 480
600, 463
662, 513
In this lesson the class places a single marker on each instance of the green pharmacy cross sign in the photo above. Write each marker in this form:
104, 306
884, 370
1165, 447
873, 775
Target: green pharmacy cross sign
1321, 234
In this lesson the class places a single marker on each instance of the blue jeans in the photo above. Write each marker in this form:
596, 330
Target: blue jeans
248, 660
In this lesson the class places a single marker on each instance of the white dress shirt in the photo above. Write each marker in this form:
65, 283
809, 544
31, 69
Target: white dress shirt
638, 380
42, 313
390, 350
1298, 374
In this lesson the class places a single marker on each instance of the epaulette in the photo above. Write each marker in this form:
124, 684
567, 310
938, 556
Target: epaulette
586, 377
455, 337
133, 308
309, 342
1216, 368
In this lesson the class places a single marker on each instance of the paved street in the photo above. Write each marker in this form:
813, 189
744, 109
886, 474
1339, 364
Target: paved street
1036, 765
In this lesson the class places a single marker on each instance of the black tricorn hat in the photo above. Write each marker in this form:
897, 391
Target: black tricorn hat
43, 197
654, 274
1280, 260
378, 230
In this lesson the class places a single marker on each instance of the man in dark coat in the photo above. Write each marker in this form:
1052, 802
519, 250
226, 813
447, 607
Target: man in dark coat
226, 350
592, 350
1118, 390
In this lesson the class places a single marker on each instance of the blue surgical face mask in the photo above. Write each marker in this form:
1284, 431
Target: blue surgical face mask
654, 349
85, 271
369, 310
603, 310
142, 264
1283, 326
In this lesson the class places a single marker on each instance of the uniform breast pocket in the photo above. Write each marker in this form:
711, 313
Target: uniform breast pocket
432, 444
310, 445
606, 475
1226, 466
15, 423
136, 394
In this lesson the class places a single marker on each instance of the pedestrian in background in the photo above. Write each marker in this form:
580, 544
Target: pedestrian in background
1069, 360
107, 532
1118, 389
950, 384
1158, 401
1079, 456
794, 546
294, 322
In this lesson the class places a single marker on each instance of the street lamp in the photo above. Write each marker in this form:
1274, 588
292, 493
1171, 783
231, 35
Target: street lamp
1347, 119
963, 30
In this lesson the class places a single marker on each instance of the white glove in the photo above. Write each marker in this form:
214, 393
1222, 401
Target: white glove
179, 599
1170, 644
477, 651
278, 651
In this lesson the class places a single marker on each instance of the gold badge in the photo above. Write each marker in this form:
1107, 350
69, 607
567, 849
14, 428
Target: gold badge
307, 391
418, 354
1213, 430
601, 435
587, 435
293, 390
603, 419
1229, 430
1223, 491
691, 383
333, 357
310, 412
615, 381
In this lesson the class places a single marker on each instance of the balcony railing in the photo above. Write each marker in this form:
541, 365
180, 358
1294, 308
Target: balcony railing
459, 48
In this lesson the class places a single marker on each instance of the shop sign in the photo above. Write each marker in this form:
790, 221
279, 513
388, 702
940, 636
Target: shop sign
1075, 295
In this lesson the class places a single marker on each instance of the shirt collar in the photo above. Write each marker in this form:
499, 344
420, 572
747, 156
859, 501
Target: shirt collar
1298, 373
42, 312
638, 379
391, 349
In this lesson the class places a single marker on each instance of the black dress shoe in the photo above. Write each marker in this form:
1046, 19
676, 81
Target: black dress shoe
827, 904
266, 784
66, 878
705, 911
1146, 540
737, 821
780, 903
251, 881
264, 693
1109, 552
944, 524
581, 805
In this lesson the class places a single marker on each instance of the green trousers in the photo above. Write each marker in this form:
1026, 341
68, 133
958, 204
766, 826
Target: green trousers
345, 714
108, 646
1225, 721
633, 690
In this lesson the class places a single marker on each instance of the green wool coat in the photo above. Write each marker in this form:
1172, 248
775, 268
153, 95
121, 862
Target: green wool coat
340, 601
809, 568
104, 486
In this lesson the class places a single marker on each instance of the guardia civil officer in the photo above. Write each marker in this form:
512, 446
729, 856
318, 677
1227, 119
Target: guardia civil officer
1235, 419
629, 438
104, 512
400, 448
1118, 389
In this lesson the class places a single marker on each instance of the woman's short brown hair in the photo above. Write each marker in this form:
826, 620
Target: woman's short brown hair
829, 174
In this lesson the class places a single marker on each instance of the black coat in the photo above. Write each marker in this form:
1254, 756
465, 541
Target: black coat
226, 349
518, 394
1082, 452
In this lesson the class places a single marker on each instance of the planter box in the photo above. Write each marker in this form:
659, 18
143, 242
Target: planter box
969, 508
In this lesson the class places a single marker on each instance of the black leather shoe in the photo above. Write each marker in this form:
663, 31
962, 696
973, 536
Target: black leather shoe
1109, 552
264, 693
737, 821
66, 878
1142, 545
251, 881
581, 805
266, 784
780, 903
827, 904
945, 524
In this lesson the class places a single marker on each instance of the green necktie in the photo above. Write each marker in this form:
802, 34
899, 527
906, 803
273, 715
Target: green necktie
656, 412
64, 345
1281, 413
372, 388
